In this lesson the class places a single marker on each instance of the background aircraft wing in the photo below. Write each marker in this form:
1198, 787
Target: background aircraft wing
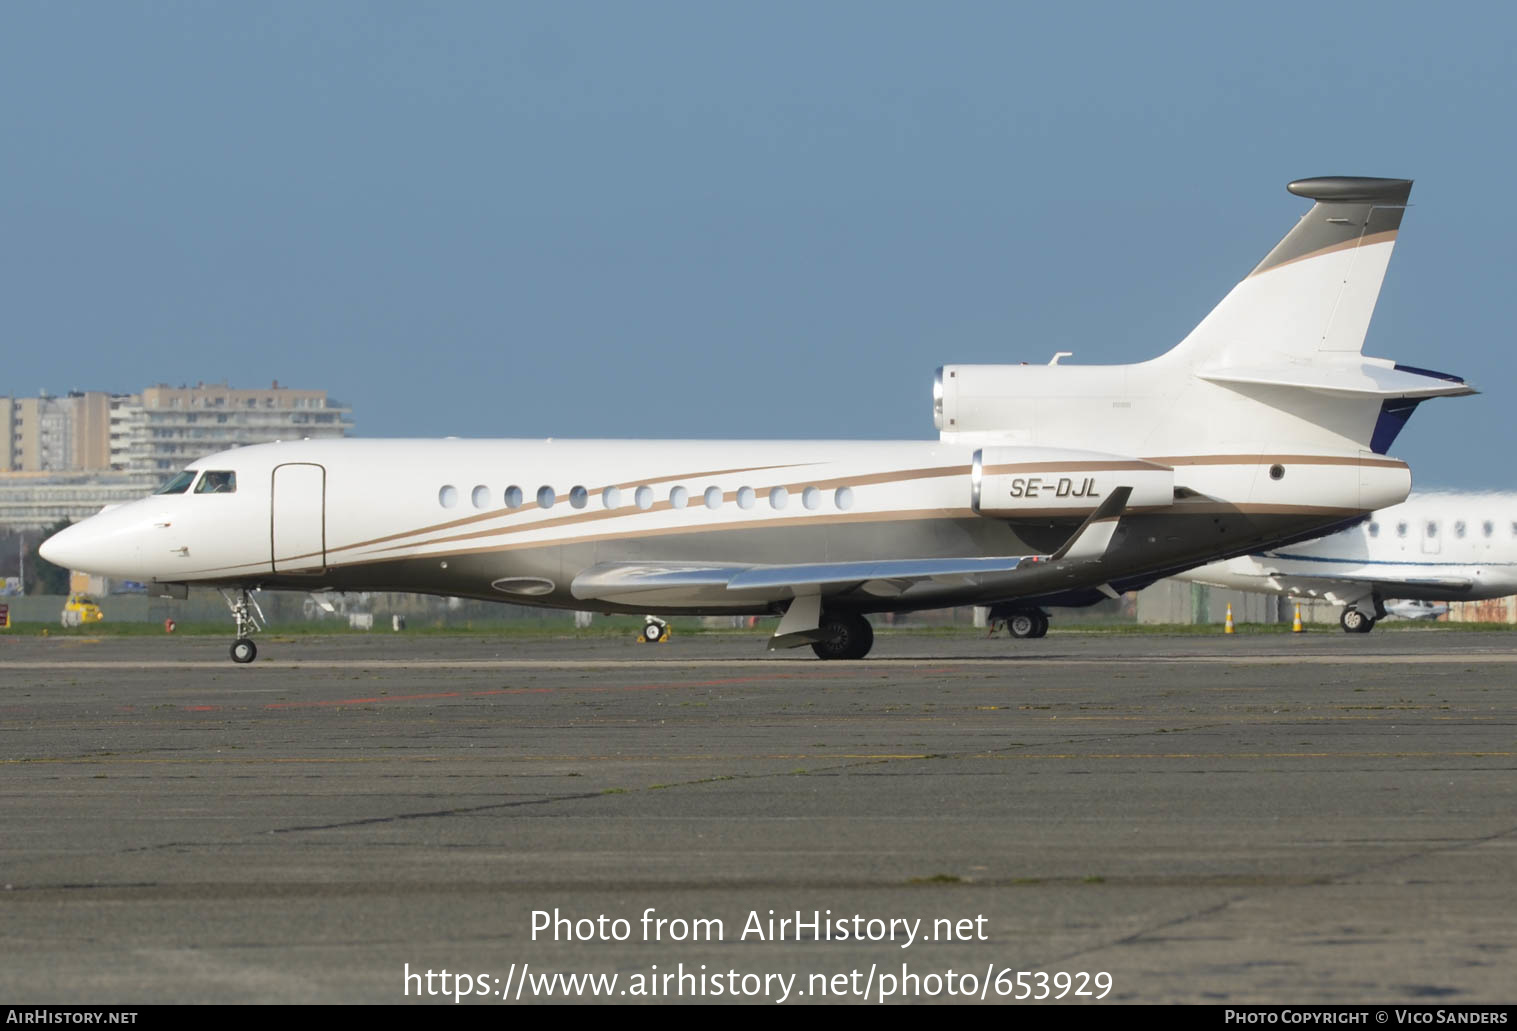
1451, 583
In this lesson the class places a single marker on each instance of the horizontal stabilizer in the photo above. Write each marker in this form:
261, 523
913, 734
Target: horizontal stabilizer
1362, 379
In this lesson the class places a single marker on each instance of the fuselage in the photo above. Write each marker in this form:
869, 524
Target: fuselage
518, 520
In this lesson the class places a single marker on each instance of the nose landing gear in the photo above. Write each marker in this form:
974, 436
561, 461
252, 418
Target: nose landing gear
249, 619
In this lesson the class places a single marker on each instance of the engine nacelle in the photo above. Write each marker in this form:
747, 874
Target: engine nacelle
1013, 482
1037, 403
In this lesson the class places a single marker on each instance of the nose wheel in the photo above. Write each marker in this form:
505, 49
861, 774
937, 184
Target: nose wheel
249, 619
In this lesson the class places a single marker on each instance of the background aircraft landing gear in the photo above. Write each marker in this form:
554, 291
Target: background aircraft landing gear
849, 636
249, 619
1355, 622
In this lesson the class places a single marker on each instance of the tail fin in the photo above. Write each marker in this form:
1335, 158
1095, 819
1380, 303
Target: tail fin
1293, 330
1314, 294
1278, 363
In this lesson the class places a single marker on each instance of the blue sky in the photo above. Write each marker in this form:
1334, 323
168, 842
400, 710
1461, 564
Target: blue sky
724, 220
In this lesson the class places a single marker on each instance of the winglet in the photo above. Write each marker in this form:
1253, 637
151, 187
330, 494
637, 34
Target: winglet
1093, 536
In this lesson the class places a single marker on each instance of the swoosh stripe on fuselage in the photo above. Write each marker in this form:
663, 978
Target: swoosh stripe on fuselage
794, 521
868, 479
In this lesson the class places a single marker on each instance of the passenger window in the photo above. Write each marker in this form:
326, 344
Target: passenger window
513, 497
1374, 529
644, 498
545, 497
611, 497
1432, 529
679, 497
1487, 528
217, 482
579, 497
481, 496
811, 497
745, 497
713, 497
447, 497
1400, 529
1459, 529
844, 499
180, 483
778, 498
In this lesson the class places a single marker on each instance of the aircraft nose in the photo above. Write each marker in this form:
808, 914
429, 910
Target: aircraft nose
63, 548
103, 544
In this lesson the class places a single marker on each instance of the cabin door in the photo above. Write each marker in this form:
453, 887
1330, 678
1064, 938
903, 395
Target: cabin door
1432, 536
298, 523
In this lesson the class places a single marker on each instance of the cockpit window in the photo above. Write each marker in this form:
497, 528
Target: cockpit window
180, 483
217, 482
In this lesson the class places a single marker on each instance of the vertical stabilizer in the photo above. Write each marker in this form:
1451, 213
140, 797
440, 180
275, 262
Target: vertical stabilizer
1312, 296
1277, 367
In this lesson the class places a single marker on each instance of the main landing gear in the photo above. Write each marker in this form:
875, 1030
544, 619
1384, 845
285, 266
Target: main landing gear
249, 619
1355, 622
1019, 622
845, 635
655, 631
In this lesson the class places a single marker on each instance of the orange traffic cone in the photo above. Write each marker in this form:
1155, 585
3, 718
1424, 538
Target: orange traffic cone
1228, 627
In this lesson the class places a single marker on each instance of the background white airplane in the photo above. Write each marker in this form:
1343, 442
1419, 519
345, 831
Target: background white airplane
1433, 547
1266, 424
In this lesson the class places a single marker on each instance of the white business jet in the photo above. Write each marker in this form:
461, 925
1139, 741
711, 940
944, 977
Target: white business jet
1434, 547
1048, 482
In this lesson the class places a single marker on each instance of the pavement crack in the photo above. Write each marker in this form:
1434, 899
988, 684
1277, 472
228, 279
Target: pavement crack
435, 813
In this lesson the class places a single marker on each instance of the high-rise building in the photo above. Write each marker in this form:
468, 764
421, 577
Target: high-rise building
55, 434
176, 425
72, 454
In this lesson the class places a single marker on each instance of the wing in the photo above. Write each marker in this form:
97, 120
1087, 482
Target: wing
740, 585
1458, 584
680, 583
1350, 587
801, 586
